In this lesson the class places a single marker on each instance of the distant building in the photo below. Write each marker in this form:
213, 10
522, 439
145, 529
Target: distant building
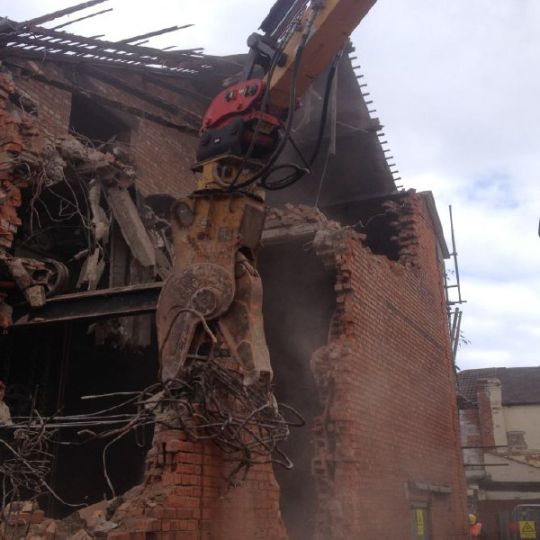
499, 417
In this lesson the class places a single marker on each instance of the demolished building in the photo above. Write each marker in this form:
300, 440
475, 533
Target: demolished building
94, 149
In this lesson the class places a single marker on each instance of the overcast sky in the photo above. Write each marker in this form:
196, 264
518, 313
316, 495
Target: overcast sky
457, 86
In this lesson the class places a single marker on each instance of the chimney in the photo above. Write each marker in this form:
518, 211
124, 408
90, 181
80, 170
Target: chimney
490, 412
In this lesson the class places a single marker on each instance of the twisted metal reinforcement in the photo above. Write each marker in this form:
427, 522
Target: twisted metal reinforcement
208, 402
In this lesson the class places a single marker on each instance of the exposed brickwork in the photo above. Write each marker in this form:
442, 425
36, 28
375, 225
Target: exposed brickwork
389, 417
163, 159
185, 494
402, 218
54, 104
386, 382
164, 155
14, 131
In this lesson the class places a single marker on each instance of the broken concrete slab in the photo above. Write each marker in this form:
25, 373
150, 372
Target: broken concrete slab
134, 232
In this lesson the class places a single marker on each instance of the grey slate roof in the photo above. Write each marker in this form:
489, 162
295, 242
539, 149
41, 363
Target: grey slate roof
520, 385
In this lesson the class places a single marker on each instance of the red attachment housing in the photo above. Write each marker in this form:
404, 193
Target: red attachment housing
235, 101
234, 124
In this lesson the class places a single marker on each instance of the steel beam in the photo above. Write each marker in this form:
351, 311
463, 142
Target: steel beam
103, 303
125, 301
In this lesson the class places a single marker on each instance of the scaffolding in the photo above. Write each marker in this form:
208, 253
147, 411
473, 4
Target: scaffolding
453, 302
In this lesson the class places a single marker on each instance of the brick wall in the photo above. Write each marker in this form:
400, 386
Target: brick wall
54, 104
387, 385
163, 158
185, 497
163, 154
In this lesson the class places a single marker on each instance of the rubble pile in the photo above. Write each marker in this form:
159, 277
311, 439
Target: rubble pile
25, 519
298, 215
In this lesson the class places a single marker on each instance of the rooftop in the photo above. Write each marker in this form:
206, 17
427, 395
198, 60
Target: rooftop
520, 385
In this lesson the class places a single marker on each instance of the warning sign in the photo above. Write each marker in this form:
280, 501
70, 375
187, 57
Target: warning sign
421, 523
527, 529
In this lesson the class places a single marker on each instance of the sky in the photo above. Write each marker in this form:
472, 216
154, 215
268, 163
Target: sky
456, 85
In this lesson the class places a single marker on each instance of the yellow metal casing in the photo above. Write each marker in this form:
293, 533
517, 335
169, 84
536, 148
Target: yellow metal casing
332, 26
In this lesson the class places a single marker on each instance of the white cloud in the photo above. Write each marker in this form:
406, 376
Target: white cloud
498, 329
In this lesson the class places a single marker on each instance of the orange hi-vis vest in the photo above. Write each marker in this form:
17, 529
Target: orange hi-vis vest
475, 530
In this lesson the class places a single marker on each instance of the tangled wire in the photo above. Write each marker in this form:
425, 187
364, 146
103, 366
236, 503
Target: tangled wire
245, 422
26, 464
209, 402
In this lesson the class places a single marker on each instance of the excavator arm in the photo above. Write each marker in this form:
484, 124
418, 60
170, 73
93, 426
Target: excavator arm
333, 23
211, 304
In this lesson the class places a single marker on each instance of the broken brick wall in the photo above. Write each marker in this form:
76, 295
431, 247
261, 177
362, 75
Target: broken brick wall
186, 492
162, 141
299, 300
54, 104
387, 438
385, 380
184, 497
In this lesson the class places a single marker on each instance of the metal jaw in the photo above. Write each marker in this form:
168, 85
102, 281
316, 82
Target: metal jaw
211, 303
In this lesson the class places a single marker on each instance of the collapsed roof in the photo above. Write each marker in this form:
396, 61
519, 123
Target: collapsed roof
353, 163
31, 40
